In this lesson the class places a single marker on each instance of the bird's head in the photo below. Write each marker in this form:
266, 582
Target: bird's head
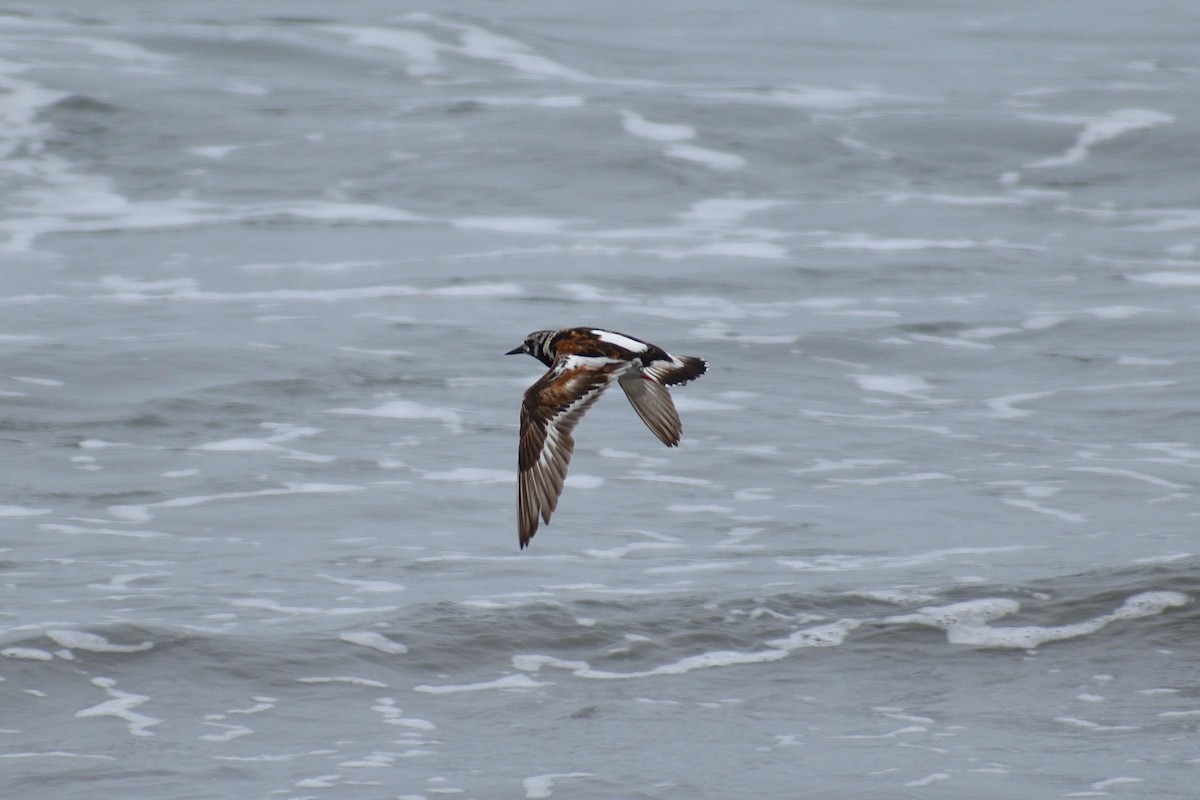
537, 344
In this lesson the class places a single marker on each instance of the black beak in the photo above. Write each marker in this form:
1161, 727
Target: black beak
516, 351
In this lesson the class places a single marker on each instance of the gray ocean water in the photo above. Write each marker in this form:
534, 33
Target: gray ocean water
931, 531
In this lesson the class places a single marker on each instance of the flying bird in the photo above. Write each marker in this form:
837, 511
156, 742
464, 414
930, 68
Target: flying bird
583, 363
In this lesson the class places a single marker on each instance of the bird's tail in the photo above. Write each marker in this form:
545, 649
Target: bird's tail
680, 369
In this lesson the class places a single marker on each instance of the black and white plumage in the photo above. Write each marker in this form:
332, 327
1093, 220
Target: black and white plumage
583, 363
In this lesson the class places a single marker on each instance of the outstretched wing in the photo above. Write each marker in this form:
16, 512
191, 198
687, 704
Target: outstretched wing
552, 408
647, 391
652, 401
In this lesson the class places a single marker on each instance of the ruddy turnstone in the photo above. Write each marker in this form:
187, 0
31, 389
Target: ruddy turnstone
583, 363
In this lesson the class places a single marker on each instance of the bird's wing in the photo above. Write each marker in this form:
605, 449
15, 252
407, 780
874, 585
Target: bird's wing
647, 391
552, 408
652, 401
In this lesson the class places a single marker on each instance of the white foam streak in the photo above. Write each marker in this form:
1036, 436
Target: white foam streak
624, 550
1168, 278
827, 635
19, 125
487, 46
421, 50
817, 98
862, 241
283, 433
369, 587
1003, 407
967, 623
22, 511
847, 563
1100, 129
1033, 505
639, 126
538, 787
506, 682
910, 386
135, 514
472, 475
141, 513
68, 202
714, 159
1132, 475
337, 611
408, 410
58, 754
375, 641
1166, 220
82, 640
537, 226
133, 291
122, 707
120, 51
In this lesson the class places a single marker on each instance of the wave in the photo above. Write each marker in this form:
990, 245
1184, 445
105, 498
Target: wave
601, 633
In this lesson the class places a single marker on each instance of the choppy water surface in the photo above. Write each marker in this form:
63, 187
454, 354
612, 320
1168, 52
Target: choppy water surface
931, 531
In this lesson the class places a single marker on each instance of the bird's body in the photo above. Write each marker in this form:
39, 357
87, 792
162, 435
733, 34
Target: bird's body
583, 363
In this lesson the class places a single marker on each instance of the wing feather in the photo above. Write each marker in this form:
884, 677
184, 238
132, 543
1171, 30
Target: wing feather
552, 408
652, 402
646, 388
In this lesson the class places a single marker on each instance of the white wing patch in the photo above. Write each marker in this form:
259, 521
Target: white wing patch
632, 345
660, 370
573, 362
